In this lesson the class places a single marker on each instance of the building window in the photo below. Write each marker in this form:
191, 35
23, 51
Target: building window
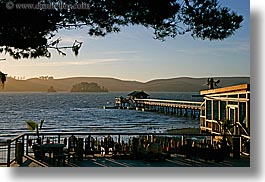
232, 115
223, 110
215, 110
209, 109
242, 113
203, 112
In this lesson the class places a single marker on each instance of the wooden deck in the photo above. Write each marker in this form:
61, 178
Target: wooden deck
174, 161
176, 150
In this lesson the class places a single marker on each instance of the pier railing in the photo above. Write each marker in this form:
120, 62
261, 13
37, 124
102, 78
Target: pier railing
9, 149
170, 103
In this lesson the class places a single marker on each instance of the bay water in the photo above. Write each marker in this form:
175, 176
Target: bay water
83, 112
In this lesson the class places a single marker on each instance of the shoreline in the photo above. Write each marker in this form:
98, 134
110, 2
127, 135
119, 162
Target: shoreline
184, 131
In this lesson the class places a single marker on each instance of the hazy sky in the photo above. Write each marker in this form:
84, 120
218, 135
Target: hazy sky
133, 54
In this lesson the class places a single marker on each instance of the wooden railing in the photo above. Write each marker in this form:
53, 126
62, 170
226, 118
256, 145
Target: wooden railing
8, 149
170, 103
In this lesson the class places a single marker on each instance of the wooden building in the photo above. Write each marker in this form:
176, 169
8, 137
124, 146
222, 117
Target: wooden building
138, 95
129, 101
226, 104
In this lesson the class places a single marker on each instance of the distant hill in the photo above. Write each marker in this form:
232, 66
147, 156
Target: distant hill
186, 84
181, 84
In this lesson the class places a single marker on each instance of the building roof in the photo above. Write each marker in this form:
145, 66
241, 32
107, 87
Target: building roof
242, 87
137, 93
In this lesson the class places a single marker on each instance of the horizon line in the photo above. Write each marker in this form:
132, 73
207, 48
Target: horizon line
123, 79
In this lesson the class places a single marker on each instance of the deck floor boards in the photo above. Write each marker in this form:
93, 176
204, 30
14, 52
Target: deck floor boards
173, 161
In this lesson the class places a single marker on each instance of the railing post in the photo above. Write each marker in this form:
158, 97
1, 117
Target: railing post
27, 145
182, 140
59, 138
23, 141
240, 144
152, 138
80, 149
19, 152
236, 146
8, 152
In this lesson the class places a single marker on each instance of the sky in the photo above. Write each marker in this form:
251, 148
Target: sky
133, 54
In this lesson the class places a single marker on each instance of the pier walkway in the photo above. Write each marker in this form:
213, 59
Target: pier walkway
181, 108
169, 103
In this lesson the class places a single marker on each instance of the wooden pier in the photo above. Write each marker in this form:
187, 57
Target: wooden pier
180, 108
174, 107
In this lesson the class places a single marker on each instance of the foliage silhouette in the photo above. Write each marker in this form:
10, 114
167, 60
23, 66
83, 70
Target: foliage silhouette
33, 125
2, 79
88, 87
28, 30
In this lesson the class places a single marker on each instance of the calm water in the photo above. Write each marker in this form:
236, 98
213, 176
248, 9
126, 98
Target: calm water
83, 112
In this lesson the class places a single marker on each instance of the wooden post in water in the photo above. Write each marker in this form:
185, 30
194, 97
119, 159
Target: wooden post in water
193, 115
167, 109
185, 113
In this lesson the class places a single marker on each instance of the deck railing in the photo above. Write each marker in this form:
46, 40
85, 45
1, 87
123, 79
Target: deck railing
8, 149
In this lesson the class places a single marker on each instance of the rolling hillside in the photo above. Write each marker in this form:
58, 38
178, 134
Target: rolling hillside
181, 84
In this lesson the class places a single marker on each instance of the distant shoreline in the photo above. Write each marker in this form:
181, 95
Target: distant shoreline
184, 131
180, 84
